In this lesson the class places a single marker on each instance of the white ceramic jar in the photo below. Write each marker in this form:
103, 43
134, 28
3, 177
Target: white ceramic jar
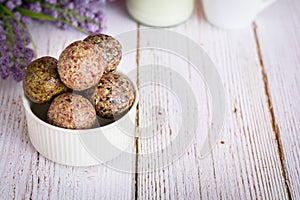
233, 14
160, 13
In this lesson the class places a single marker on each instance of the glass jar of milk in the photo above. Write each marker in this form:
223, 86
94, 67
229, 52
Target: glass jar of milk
160, 13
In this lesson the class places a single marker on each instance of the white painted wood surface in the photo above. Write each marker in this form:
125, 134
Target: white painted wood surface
281, 68
257, 156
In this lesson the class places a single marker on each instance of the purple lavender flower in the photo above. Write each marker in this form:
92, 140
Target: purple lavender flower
10, 5
4, 60
35, 7
14, 36
69, 6
25, 20
52, 13
2, 36
74, 22
51, 1
92, 27
28, 55
16, 74
15, 51
14, 55
18, 15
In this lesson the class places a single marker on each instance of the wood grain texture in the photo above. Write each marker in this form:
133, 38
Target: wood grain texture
246, 163
280, 51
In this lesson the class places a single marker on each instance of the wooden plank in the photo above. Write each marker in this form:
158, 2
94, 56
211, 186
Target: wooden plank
280, 51
246, 162
25, 174
16, 150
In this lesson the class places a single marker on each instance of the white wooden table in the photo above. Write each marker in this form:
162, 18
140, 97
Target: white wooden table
257, 156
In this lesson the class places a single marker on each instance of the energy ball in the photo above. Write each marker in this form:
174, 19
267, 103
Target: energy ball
41, 81
113, 96
112, 50
81, 65
71, 111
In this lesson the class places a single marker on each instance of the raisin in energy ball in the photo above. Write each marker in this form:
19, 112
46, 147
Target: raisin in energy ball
111, 48
71, 111
80, 65
113, 96
41, 80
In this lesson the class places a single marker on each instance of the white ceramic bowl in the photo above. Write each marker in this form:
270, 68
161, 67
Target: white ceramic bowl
79, 147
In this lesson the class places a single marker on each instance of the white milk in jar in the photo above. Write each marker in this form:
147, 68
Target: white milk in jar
160, 13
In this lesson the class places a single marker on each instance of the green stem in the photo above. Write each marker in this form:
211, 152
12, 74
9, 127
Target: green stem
35, 15
69, 13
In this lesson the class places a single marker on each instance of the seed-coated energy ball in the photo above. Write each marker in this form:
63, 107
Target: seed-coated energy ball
71, 111
111, 48
80, 65
113, 96
41, 81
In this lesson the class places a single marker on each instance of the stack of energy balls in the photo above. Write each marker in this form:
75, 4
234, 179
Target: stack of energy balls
81, 84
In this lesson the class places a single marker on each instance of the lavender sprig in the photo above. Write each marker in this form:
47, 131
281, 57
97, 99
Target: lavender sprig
14, 55
14, 34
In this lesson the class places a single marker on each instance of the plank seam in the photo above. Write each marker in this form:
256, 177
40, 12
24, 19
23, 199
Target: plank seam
274, 123
136, 142
32, 188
